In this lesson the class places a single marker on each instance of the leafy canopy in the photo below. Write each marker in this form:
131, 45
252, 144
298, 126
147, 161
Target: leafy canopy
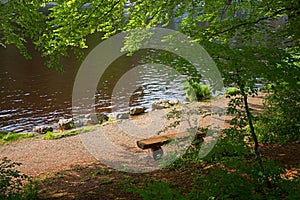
237, 33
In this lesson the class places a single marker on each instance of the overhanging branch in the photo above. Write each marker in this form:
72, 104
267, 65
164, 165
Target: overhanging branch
252, 22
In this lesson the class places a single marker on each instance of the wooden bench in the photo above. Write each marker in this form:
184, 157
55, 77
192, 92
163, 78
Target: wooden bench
155, 143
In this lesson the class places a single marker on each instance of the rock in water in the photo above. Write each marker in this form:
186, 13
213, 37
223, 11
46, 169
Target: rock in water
18, 130
66, 124
137, 110
43, 129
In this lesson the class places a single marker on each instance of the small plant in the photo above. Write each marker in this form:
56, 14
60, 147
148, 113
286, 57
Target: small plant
196, 91
13, 184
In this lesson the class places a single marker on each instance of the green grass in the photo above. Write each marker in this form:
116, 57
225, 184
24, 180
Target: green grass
54, 136
11, 137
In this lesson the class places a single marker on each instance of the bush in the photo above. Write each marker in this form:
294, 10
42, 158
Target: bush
196, 91
238, 179
13, 184
280, 120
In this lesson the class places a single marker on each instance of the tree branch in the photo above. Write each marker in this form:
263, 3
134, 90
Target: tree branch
251, 22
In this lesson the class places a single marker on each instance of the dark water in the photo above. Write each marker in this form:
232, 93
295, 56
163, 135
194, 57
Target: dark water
32, 94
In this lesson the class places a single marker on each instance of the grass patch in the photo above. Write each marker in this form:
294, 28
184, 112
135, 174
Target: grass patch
54, 136
11, 137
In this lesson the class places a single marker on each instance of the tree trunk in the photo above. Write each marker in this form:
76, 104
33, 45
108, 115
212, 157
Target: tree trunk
254, 136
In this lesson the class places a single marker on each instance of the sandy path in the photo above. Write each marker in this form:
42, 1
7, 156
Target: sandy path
40, 156
37, 155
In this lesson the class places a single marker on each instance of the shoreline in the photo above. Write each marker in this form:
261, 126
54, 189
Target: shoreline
42, 156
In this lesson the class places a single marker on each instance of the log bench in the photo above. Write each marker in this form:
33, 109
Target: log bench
155, 143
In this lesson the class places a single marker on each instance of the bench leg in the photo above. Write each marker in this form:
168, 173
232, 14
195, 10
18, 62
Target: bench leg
157, 152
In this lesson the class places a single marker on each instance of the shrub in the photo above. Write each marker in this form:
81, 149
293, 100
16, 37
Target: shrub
242, 179
13, 184
280, 120
196, 91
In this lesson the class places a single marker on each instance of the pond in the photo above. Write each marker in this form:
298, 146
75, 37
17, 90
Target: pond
32, 94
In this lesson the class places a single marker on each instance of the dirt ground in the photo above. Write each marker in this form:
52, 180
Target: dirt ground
72, 168
96, 181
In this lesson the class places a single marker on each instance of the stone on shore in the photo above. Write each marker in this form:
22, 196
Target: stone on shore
174, 102
66, 124
162, 104
98, 118
137, 110
42, 129
4, 132
118, 115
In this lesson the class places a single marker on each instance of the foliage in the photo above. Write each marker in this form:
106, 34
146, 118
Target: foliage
13, 184
196, 91
233, 91
231, 179
241, 179
10, 137
157, 190
232, 144
280, 119
268, 88
228, 172
218, 25
65, 27
247, 40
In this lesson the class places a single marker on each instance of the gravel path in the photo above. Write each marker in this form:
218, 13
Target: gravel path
38, 156
42, 156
